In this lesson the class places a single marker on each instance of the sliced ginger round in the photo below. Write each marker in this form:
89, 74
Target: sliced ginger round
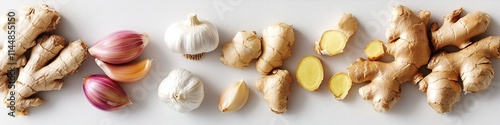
374, 50
332, 42
310, 73
339, 85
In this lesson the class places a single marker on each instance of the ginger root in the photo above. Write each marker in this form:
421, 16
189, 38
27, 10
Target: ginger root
310, 73
374, 50
49, 60
340, 84
471, 64
38, 76
277, 45
245, 47
410, 51
32, 22
276, 88
457, 31
332, 42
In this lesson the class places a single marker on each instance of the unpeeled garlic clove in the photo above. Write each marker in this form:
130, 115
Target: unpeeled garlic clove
234, 97
120, 47
126, 73
104, 93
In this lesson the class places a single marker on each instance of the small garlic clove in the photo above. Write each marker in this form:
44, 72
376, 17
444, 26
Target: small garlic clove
234, 97
126, 73
104, 93
120, 47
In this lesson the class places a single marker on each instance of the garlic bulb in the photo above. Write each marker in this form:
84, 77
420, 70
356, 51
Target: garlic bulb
192, 37
181, 91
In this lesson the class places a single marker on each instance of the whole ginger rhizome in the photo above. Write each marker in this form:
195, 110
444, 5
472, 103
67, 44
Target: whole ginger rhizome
50, 59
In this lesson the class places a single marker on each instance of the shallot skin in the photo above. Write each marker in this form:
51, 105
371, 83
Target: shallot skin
103, 93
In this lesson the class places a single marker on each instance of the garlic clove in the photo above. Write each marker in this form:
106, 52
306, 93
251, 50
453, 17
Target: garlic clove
192, 37
126, 73
120, 47
103, 93
181, 91
234, 97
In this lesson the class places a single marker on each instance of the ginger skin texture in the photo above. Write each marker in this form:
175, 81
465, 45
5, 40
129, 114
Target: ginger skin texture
41, 75
32, 22
276, 88
457, 30
471, 64
410, 51
50, 59
277, 45
244, 47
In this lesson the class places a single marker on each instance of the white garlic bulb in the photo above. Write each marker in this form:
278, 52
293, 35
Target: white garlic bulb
192, 37
181, 91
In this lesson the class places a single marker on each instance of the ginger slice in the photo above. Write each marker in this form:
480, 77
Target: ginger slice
333, 42
310, 73
339, 85
374, 50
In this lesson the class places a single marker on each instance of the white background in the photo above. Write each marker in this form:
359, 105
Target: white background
91, 20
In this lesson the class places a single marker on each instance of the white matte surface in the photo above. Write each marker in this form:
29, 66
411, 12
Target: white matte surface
90, 20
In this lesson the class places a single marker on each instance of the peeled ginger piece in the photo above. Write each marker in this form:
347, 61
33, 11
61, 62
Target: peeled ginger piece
339, 85
374, 50
310, 73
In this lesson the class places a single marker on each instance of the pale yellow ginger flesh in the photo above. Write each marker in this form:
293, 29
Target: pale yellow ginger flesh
374, 50
471, 64
310, 73
339, 85
31, 23
410, 52
41, 75
245, 47
277, 45
333, 42
457, 30
276, 88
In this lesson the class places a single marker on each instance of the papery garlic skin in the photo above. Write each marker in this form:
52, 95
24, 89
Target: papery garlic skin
120, 47
192, 37
104, 93
181, 91
234, 97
